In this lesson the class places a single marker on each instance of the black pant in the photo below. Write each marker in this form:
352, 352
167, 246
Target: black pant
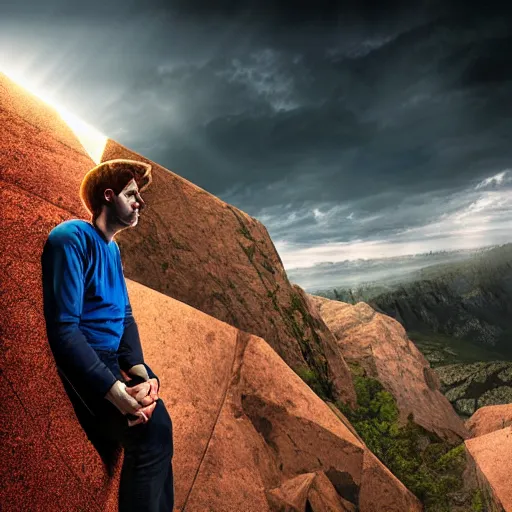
147, 483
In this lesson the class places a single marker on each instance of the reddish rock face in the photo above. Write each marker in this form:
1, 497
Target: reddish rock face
250, 435
378, 481
380, 345
490, 456
489, 419
189, 244
47, 461
192, 246
245, 425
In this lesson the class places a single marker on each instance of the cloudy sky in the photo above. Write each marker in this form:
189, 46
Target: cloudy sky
350, 129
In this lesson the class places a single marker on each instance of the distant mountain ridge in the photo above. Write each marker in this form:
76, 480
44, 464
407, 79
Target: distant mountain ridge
469, 299
388, 272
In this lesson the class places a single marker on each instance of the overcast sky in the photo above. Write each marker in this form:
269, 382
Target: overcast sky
351, 130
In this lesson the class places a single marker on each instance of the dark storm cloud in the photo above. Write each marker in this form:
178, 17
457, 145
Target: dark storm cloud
325, 12
328, 122
268, 12
328, 12
411, 115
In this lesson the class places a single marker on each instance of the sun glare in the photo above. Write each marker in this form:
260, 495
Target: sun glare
91, 139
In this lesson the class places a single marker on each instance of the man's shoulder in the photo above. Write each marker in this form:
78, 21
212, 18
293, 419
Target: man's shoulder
73, 230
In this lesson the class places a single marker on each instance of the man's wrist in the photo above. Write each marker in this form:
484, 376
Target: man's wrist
139, 370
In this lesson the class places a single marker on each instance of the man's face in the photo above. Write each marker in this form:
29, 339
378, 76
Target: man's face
128, 205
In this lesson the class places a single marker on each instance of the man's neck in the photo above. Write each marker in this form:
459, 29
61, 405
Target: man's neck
107, 229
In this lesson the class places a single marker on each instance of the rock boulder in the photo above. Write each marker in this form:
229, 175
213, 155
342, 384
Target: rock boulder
381, 346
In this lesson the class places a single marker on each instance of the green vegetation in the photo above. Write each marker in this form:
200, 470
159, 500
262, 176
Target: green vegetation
313, 380
317, 374
243, 230
477, 503
441, 349
428, 466
249, 251
267, 266
165, 266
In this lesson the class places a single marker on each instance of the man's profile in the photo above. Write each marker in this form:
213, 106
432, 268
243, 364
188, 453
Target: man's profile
94, 337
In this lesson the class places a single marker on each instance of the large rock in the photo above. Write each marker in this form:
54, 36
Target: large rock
245, 425
489, 419
189, 244
490, 456
380, 344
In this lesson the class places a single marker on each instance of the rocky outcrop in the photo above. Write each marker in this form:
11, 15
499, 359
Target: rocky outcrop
490, 457
471, 386
489, 454
377, 480
380, 345
246, 427
216, 258
247, 430
489, 419
189, 244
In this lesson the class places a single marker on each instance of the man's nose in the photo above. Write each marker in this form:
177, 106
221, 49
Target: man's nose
139, 203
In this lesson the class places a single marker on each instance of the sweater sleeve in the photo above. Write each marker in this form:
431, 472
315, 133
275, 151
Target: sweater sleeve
63, 266
130, 348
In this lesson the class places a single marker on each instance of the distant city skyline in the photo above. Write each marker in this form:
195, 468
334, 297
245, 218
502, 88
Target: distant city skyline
349, 132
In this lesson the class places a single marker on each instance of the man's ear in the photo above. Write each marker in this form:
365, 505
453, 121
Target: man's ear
108, 195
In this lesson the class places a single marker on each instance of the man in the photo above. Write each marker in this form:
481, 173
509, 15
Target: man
94, 337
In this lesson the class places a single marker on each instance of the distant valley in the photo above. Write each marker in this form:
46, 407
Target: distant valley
459, 314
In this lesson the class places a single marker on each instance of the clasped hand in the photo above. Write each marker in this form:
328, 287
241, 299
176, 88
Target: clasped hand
139, 400
146, 394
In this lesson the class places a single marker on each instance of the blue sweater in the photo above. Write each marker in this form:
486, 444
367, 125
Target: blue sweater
86, 305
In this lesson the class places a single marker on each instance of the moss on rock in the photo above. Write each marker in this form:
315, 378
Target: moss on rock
428, 466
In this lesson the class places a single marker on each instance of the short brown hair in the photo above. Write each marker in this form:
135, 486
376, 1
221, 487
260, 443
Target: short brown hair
114, 174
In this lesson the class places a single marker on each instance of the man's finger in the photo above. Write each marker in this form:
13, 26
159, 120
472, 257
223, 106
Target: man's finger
153, 392
141, 418
142, 393
139, 391
124, 402
148, 411
131, 405
145, 401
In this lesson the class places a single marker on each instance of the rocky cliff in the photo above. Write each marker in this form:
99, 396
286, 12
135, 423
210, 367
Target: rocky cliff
189, 244
474, 475
248, 433
489, 418
380, 345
